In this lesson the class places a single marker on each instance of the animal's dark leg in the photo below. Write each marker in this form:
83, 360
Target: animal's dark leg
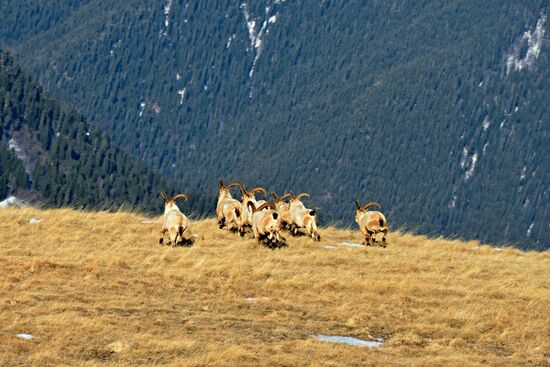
161, 239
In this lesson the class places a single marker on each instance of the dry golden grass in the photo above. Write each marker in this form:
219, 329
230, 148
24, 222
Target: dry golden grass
96, 289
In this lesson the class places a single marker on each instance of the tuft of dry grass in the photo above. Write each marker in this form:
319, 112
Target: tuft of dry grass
97, 289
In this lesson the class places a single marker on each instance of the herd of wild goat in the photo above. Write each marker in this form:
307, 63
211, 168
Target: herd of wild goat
266, 220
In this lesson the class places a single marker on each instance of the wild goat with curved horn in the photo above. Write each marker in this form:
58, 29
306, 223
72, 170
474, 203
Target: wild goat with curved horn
266, 223
282, 208
228, 210
175, 222
245, 220
302, 217
372, 224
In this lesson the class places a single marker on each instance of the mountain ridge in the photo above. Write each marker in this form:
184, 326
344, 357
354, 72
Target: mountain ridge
385, 101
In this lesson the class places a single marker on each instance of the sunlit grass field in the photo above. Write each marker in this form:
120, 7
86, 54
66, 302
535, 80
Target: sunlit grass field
96, 289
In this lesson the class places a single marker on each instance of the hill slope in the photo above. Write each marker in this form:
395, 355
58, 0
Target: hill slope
97, 289
50, 153
437, 110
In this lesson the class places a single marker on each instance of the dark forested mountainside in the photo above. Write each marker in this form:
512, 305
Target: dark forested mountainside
50, 153
436, 109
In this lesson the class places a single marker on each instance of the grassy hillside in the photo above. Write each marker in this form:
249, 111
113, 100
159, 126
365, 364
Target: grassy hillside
97, 289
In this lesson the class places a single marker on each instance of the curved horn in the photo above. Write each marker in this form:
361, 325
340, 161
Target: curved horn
164, 196
283, 198
240, 186
275, 196
266, 205
302, 195
251, 205
357, 205
259, 189
369, 204
244, 191
232, 184
180, 196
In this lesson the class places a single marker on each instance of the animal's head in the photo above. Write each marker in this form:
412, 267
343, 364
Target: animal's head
255, 209
280, 199
248, 195
379, 238
223, 191
272, 219
297, 199
360, 210
170, 204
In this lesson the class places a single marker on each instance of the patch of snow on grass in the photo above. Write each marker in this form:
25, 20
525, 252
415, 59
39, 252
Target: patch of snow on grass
25, 336
350, 341
349, 244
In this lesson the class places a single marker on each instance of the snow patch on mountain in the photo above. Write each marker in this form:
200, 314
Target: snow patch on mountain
154, 106
11, 201
533, 40
452, 204
256, 32
181, 92
530, 229
167, 10
486, 123
485, 148
142, 108
20, 153
523, 173
468, 163
229, 40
